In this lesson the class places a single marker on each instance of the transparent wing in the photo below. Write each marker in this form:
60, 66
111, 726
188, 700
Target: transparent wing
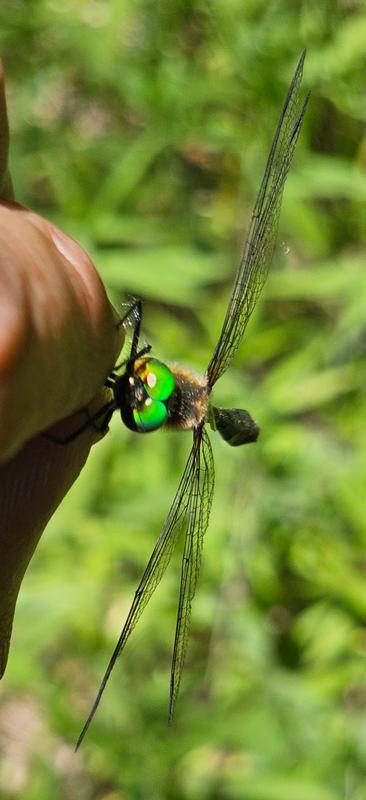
156, 566
260, 241
198, 512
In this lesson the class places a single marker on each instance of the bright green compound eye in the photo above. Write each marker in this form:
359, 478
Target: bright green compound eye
157, 378
150, 416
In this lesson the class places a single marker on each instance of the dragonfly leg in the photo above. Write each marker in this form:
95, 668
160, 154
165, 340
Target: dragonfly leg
140, 353
104, 414
136, 306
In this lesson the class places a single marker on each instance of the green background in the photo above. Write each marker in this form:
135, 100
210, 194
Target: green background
142, 128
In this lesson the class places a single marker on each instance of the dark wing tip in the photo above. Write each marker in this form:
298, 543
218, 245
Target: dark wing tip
85, 728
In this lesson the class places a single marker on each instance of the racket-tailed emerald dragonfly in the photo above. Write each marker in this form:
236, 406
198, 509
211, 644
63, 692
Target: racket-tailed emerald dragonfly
150, 394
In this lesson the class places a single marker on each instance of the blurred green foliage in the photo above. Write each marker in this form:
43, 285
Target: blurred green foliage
142, 128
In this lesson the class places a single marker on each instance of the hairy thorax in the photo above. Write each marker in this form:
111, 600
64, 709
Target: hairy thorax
188, 404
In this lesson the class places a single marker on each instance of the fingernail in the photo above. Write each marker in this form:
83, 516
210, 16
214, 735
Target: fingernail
67, 247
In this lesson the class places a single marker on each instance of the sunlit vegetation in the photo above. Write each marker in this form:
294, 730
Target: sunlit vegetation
142, 129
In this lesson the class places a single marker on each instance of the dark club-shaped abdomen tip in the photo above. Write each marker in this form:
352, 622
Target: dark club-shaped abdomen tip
235, 425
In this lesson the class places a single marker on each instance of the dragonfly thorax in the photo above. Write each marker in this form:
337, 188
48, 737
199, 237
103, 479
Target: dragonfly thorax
188, 404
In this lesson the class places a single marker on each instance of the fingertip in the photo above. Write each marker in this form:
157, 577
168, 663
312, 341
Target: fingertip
58, 333
90, 291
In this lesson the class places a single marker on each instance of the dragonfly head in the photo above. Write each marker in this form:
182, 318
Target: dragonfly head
142, 393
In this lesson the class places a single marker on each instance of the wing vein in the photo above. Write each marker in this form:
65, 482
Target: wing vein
157, 564
260, 241
197, 521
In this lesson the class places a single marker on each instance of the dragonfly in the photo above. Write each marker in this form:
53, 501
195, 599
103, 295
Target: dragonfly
150, 394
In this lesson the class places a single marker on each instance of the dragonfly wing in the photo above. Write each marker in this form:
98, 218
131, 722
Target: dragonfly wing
259, 244
198, 512
160, 557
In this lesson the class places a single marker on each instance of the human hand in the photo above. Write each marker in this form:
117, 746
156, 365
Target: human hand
58, 341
